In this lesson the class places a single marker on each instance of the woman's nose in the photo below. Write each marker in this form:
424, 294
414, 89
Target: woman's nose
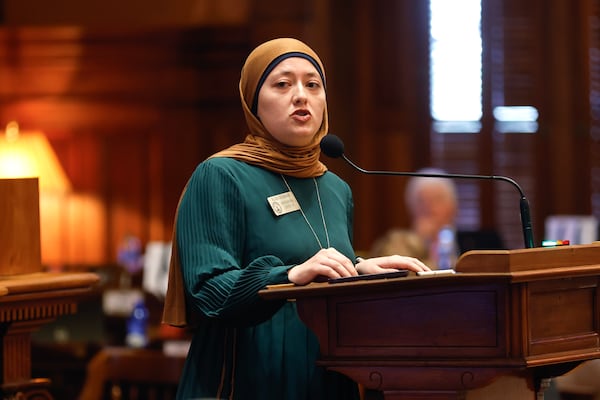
299, 94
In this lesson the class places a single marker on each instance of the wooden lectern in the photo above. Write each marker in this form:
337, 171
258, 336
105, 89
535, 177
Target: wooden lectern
29, 297
527, 313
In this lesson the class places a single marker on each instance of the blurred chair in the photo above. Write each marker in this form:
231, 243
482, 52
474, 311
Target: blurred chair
581, 383
577, 229
482, 239
122, 373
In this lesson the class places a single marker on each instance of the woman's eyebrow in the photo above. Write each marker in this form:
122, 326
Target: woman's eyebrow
286, 72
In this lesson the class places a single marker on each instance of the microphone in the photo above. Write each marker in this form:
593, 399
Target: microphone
332, 146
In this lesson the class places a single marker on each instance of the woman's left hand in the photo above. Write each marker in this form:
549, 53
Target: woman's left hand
377, 265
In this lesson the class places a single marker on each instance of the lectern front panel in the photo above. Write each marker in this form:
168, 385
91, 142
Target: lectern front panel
445, 322
563, 315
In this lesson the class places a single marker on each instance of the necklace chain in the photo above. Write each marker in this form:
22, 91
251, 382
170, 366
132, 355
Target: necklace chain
304, 215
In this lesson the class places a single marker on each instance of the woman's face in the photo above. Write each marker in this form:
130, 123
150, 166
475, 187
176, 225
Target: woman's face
291, 102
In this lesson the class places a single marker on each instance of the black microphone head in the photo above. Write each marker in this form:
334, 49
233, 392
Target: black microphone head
332, 146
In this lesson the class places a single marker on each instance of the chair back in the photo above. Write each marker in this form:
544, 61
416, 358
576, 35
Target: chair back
577, 229
122, 373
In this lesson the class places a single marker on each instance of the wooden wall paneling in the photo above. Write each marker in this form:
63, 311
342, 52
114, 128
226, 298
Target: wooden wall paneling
179, 154
132, 14
82, 157
123, 83
581, 106
384, 104
515, 80
593, 17
102, 94
566, 128
122, 111
401, 100
578, 118
538, 44
126, 164
341, 68
157, 219
213, 120
281, 18
391, 111
360, 144
350, 76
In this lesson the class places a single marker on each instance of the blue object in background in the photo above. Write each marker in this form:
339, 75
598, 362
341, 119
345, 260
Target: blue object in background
137, 326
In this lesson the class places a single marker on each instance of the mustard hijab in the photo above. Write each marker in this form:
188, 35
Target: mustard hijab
259, 147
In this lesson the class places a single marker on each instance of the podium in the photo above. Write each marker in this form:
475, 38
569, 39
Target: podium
527, 314
29, 296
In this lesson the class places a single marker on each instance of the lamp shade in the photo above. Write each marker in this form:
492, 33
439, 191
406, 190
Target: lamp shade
29, 154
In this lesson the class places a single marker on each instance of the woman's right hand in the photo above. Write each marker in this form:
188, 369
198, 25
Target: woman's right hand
326, 263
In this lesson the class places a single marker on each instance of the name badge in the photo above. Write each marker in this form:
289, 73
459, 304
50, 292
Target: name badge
283, 203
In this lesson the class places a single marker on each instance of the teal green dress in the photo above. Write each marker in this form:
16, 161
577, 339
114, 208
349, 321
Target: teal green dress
231, 245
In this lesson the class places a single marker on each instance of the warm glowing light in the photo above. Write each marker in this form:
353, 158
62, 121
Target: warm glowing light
27, 155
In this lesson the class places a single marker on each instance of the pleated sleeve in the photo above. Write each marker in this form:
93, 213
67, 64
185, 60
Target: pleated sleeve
220, 281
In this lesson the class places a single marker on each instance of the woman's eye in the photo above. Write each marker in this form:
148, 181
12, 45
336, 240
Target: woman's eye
313, 85
281, 84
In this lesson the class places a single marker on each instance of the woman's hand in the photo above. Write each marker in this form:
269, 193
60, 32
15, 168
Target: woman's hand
327, 263
379, 265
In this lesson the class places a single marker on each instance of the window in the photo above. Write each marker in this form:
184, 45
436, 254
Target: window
472, 136
455, 60
456, 73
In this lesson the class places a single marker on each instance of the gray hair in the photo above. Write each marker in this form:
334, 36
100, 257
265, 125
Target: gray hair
415, 184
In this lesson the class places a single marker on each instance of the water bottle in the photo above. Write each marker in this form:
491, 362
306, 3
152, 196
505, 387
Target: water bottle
137, 326
446, 250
